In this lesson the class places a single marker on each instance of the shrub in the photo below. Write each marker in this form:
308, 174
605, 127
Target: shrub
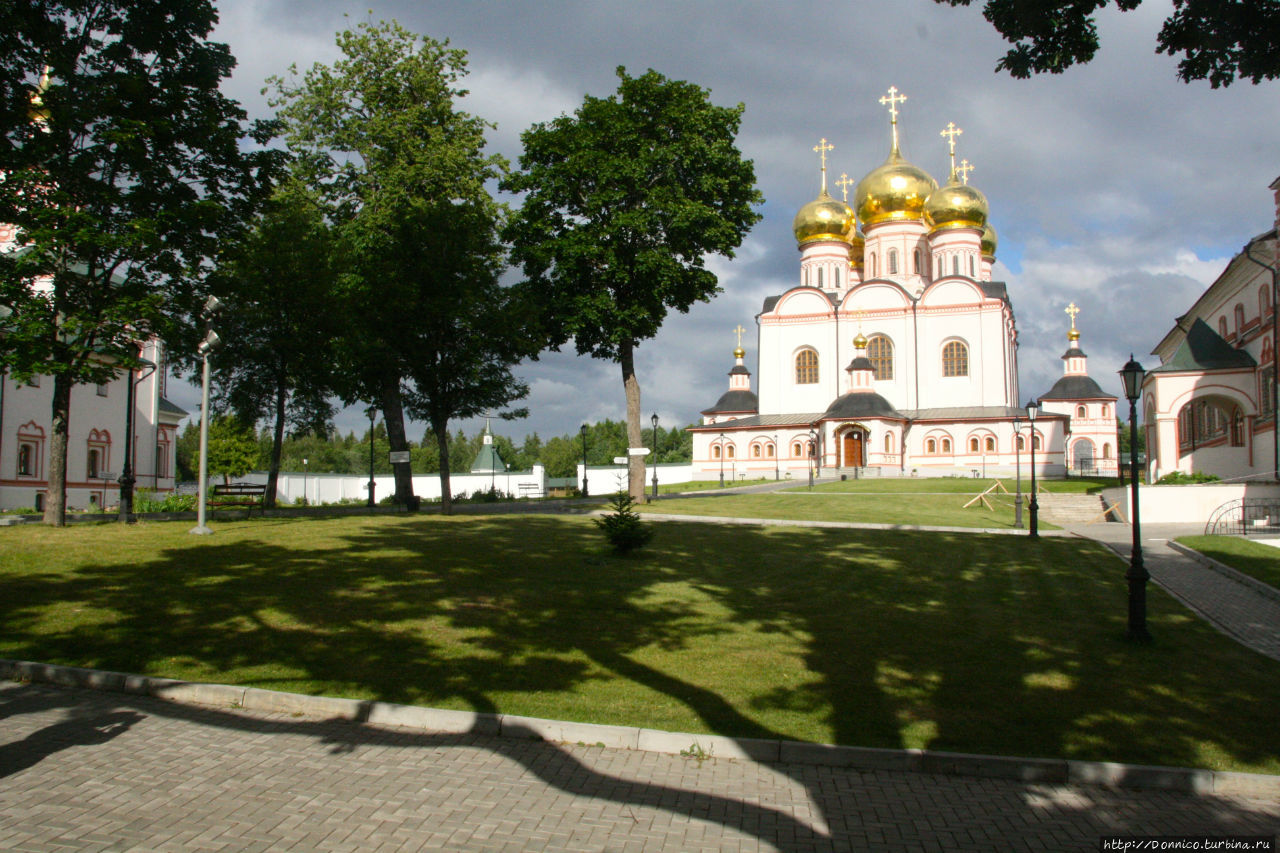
146, 500
1177, 478
623, 527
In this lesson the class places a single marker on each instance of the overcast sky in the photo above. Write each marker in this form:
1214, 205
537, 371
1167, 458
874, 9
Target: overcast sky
1114, 185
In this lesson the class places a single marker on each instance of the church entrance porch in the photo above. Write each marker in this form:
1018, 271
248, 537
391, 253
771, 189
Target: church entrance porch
853, 449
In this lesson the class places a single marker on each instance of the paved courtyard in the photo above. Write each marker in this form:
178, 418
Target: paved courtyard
88, 770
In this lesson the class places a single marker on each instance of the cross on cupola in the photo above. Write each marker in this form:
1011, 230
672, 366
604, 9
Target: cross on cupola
950, 134
963, 171
739, 330
822, 148
844, 183
893, 99
1071, 311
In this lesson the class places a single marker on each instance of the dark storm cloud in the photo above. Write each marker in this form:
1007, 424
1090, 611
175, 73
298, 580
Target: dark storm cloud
1113, 185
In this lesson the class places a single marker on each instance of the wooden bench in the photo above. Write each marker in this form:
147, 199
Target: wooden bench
248, 495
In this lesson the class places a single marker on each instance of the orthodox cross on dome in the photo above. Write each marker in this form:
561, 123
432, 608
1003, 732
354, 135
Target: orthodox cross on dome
1072, 311
739, 330
963, 170
950, 134
844, 183
822, 148
893, 99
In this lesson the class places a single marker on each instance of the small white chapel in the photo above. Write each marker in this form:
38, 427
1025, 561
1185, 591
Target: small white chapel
894, 353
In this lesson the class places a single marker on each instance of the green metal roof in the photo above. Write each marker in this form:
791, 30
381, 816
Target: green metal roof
1204, 349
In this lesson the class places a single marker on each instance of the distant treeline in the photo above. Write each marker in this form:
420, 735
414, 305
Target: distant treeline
349, 454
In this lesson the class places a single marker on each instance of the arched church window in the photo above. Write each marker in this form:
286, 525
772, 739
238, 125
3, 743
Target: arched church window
915, 263
1106, 410
94, 463
806, 367
715, 452
819, 277
888, 442
729, 452
946, 445
955, 359
768, 451
1264, 301
880, 354
893, 262
755, 451
973, 444
930, 446
1022, 443
955, 265
25, 455
796, 450
971, 275
1106, 450
1036, 443
991, 444
871, 264
1079, 411
1222, 327
1239, 320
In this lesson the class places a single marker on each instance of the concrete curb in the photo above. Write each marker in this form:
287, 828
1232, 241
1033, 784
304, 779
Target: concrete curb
694, 746
1263, 589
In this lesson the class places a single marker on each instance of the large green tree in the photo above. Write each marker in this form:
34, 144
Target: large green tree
1219, 40
278, 284
123, 167
380, 139
625, 199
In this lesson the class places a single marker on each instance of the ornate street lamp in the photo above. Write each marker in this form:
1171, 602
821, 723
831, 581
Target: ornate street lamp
1018, 466
372, 413
1033, 408
722, 460
585, 492
654, 462
1132, 374
126, 470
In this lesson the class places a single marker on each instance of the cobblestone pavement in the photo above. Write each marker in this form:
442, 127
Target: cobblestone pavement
86, 770
1232, 607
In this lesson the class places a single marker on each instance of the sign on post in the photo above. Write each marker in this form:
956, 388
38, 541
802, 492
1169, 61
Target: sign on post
397, 456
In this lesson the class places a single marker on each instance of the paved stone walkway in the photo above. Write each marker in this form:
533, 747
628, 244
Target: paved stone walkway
86, 770
1232, 607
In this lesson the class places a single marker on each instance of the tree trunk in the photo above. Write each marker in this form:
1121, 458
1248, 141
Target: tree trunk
277, 445
393, 417
55, 499
442, 442
635, 464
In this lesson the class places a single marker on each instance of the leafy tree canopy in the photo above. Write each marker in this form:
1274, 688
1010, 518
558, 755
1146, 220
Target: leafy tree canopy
1219, 40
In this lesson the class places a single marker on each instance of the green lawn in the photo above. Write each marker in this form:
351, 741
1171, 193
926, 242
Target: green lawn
976, 643
936, 501
1252, 558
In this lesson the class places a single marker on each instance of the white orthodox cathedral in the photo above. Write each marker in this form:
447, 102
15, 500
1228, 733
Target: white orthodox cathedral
895, 354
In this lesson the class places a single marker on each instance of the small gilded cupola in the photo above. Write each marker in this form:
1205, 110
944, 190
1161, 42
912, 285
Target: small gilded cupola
739, 401
957, 216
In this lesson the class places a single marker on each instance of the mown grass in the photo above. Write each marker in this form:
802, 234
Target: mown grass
1253, 558
968, 642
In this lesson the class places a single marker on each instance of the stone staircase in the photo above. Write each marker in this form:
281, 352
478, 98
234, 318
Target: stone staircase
1072, 509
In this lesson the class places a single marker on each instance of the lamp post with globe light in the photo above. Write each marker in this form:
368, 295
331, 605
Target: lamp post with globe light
1033, 408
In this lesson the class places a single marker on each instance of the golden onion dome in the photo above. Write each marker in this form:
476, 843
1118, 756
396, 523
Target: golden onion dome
988, 242
860, 342
956, 205
824, 218
739, 353
895, 190
858, 248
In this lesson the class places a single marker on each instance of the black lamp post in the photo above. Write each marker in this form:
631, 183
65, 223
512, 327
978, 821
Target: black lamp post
585, 491
813, 454
1033, 408
1017, 464
373, 413
1132, 374
722, 460
654, 420
126, 468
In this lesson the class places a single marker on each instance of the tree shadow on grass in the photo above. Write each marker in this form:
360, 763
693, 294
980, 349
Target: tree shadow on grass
957, 642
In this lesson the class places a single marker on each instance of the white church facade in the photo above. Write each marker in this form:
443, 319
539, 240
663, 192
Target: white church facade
894, 353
